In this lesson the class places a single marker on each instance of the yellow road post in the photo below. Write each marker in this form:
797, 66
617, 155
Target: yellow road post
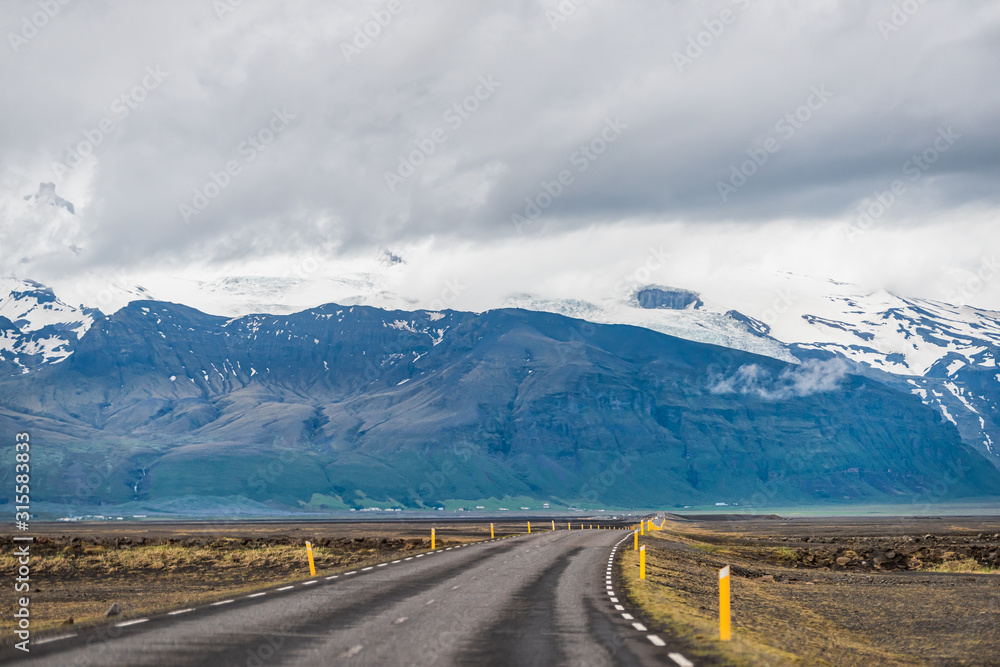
491, 531
642, 562
312, 565
725, 631
529, 528
433, 539
636, 533
553, 524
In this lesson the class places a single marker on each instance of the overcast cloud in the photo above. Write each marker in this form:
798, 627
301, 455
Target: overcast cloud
769, 123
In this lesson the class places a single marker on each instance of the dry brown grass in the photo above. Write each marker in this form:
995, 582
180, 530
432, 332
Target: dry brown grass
812, 617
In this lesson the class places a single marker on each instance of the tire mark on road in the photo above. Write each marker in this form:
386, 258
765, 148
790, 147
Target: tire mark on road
526, 632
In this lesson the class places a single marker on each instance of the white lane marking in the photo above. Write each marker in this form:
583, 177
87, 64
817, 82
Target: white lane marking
640, 627
431, 601
656, 640
394, 562
381, 565
410, 558
128, 623
420, 555
184, 611
365, 569
332, 576
351, 572
306, 583
454, 587
286, 588
610, 588
680, 660
353, 651
399, 620
618, 607
53, 639
257, 595
222, 602
449, 548
628, 617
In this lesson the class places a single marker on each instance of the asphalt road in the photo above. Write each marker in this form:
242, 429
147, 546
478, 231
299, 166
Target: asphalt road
542, 599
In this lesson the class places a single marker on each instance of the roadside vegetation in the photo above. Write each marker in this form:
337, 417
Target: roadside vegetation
822, 599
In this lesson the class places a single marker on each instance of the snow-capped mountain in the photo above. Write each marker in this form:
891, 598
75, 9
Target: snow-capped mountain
691, 321
36, 328
946, 354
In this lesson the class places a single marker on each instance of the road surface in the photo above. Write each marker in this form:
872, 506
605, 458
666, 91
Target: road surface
542, 599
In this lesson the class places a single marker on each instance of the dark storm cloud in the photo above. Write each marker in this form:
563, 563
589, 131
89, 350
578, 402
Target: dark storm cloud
448, 118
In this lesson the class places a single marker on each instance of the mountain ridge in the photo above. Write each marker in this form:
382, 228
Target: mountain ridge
366, 406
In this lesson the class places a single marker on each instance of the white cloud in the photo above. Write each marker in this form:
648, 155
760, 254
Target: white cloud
320, 187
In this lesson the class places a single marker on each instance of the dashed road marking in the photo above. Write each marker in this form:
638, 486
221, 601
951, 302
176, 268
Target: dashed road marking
628, 617
381, 565
332, 576
410, 558
353, 651
656, 640
351, 572
680, 660
286, 588
307, 583
394, 562
53, 639
222, 602
257, 595
614, 599
431, 601
125, 624
184, 611
401, 619
640, 627
365, 569
618, 607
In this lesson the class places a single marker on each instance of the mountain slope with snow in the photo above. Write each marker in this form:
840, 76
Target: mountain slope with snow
945, 354
36, 327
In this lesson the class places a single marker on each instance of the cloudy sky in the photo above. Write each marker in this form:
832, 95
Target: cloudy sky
520, 146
